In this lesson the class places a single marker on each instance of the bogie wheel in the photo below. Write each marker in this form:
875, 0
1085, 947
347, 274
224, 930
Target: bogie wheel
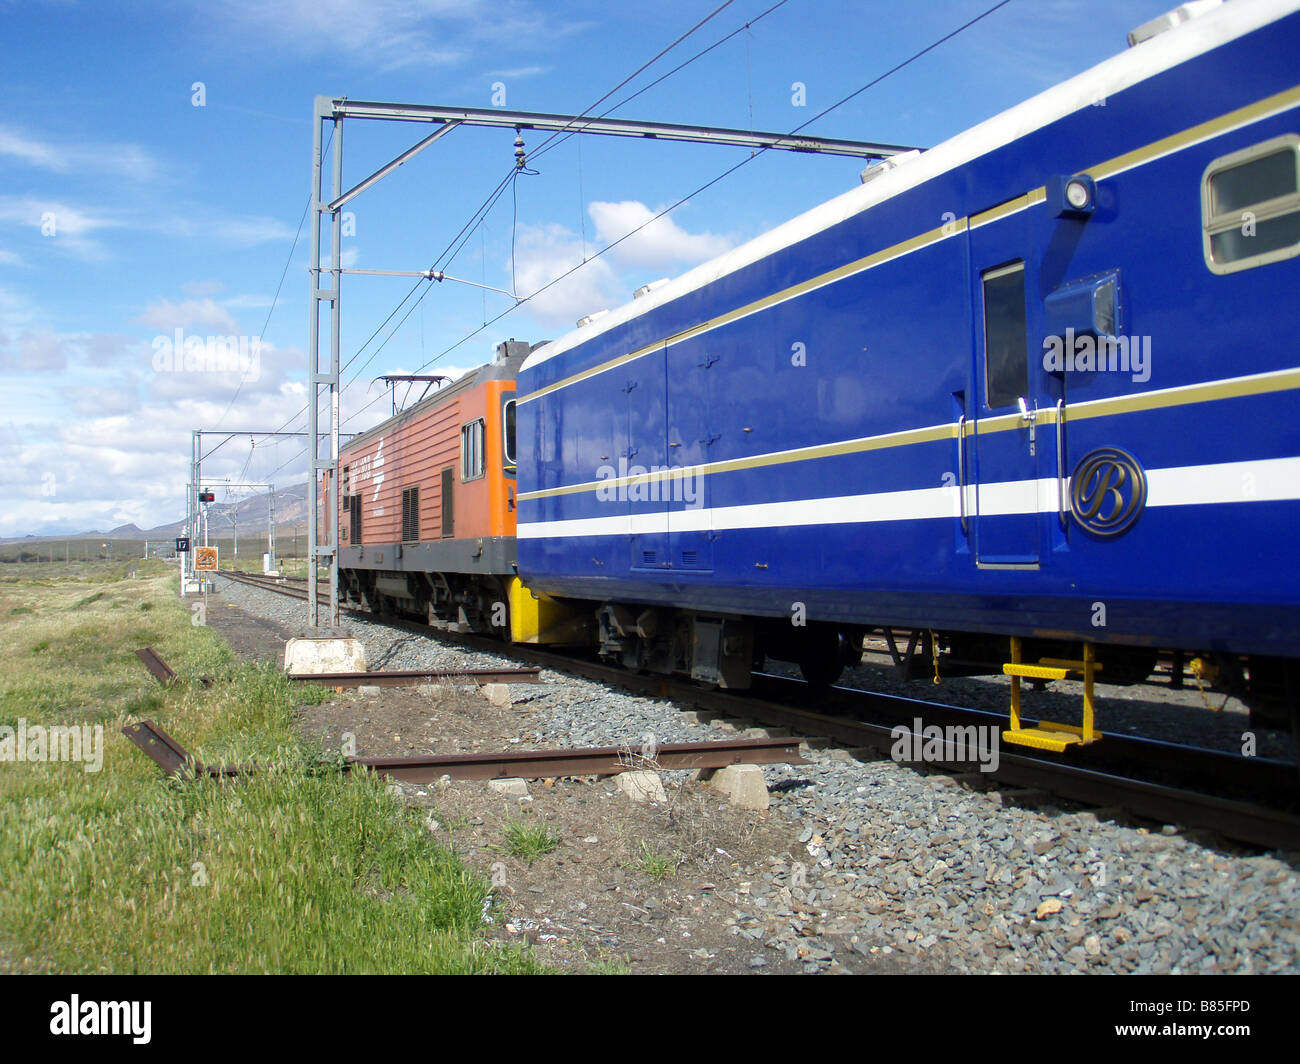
823, 665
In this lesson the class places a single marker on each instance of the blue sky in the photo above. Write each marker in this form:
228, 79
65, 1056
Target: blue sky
127, 212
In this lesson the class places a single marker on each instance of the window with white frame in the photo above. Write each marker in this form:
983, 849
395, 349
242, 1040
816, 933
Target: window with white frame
471, 450
1250, 206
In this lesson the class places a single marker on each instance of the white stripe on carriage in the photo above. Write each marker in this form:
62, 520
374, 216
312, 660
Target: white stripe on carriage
1262, 480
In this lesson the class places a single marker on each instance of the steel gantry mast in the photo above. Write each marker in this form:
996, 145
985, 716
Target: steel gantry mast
323, 541
194, 511
316, 379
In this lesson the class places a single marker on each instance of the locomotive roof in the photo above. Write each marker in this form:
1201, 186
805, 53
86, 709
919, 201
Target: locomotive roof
501, 369
1120, 72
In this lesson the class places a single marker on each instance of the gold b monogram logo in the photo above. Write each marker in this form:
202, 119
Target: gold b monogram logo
1108, 491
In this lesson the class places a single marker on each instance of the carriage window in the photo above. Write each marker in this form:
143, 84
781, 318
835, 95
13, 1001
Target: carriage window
1006, 350
1250, 206
471, 450
509, 422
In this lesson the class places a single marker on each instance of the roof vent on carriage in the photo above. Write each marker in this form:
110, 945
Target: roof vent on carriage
646, 289
1170, 19
593, 316
885, 165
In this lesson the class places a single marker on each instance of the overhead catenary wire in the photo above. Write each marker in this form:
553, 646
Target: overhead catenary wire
457, 243
276, 298
707, 185
565, 135
637, 73
710, 183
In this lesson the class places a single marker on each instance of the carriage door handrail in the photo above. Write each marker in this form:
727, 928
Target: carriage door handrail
961, 471
1060, 463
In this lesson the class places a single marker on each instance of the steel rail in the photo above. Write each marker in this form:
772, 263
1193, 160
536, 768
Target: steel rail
174, 759
1101, 781
412, 677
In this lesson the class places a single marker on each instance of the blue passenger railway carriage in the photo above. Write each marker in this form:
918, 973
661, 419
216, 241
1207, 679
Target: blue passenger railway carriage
1033, 393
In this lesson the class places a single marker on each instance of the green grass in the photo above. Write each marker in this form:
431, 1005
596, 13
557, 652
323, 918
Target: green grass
528, 839
654, 864
298, 868
611, 965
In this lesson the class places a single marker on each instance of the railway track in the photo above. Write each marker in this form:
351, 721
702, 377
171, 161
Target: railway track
1252, 800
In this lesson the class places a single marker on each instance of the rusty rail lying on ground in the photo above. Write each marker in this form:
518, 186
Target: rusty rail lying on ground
162, 672
411, 677
173, 759
166, 675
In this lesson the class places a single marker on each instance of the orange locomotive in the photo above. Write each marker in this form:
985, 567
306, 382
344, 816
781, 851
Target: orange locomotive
427, 508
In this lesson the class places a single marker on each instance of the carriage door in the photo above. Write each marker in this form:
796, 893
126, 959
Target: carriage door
1009, 409
646, 388
692, 373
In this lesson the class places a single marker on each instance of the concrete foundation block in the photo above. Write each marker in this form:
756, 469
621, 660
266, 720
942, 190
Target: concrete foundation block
513, 788
496, 693
743, 786
310, 657
642, 786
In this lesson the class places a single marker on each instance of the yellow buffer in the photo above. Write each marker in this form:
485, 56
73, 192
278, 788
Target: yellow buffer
540, 619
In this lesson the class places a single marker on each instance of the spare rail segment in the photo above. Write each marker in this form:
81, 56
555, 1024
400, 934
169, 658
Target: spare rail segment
411, 677
1121, 777
166, 675
173, 759
162, 672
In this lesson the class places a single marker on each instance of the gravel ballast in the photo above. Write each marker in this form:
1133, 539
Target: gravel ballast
895, 861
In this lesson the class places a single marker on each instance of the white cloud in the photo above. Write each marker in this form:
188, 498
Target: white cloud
41, 350
660, 244
165, 316
202, 288
545, 252
16, 310
122, 160
520, 72
250, 230
241, 231
391, 34
65, 226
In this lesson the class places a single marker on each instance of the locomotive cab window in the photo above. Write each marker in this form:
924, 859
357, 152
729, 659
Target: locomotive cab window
471, 450
508, 433
1006, 343
1250, 206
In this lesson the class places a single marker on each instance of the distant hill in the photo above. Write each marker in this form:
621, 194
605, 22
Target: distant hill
249, 511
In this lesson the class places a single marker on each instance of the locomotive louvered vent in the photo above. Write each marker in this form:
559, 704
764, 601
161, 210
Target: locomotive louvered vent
648, 557
354, 518
448, 503
410, 515
690, 557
